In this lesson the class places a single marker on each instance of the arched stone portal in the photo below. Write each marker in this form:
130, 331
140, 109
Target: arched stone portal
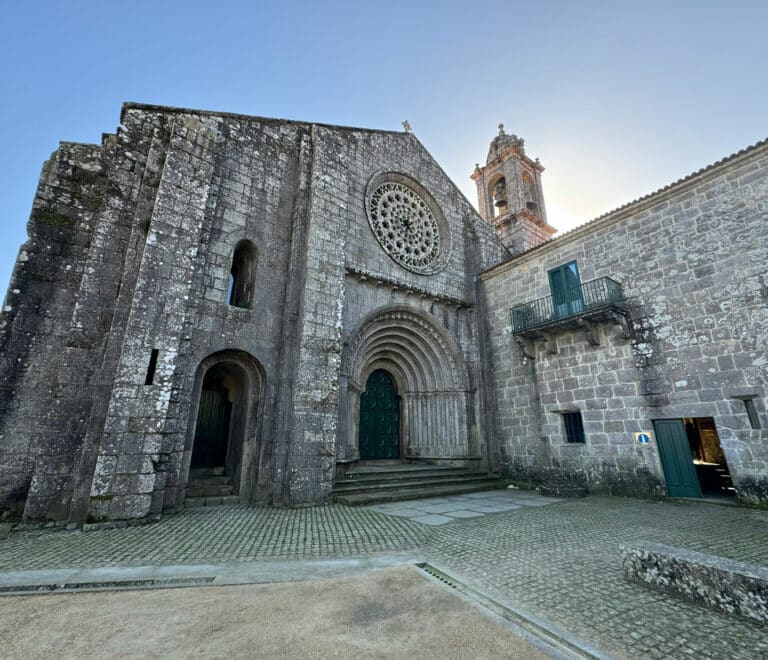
224, 419
429, 375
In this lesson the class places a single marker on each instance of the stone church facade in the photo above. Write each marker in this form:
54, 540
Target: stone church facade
281, 301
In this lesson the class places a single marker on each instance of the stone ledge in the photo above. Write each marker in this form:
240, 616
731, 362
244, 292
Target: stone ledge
733, 587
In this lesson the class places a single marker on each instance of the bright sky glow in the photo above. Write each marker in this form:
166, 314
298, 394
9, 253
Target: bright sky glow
616, 98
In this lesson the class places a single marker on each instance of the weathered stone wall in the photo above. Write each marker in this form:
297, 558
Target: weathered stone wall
225, 179
64, 297
692, 261
131, 246
349, 276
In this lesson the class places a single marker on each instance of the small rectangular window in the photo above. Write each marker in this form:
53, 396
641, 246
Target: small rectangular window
574, 428
754, 420
152, 367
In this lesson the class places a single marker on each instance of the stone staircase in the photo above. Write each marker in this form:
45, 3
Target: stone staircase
372, 484
209, 487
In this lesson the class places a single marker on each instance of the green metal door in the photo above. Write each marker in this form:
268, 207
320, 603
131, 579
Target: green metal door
379, 418
676, 459
565, 284
212, 430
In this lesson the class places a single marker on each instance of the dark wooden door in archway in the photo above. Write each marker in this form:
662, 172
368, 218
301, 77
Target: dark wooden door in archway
212, 431
379, 418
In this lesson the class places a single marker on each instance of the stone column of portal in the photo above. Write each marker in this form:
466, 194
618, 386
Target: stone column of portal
348, 449
139, 436
413, 402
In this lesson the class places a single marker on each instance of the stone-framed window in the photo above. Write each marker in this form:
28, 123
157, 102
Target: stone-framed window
242, 276
149, 379
573, 427
754, 419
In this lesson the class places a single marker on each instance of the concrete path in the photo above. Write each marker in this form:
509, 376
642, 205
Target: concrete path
558, 563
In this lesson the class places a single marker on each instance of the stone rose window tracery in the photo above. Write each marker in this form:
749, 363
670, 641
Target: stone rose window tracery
405, 224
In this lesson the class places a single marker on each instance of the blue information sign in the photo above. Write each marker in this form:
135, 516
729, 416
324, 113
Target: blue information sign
643, 438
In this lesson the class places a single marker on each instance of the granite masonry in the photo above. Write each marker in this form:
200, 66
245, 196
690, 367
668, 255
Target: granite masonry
263, 303
663, 335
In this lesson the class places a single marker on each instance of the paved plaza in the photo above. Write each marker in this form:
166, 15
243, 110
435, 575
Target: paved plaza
442, 510
558, 562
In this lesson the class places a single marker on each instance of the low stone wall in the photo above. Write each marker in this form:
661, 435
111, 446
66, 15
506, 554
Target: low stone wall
730, 586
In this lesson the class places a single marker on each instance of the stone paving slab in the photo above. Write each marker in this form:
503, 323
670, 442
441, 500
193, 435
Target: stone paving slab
458, 507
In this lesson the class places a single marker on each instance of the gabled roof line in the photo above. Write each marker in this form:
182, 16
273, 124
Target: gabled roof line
131, 105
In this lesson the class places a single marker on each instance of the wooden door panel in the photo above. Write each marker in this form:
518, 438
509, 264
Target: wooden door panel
676, 459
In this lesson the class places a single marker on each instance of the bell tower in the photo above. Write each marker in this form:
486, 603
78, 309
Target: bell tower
509, 194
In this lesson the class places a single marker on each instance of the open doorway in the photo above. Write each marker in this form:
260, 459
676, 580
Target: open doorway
221, 442
708, 457
693, 460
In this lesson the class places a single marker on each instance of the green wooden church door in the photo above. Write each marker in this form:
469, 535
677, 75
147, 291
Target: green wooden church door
379, 418
676, 459
212, 430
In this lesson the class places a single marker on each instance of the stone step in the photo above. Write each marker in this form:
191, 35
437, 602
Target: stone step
194, 502
354, 477
209, 481
358, 487
378, 497
402, 467
208, 490
206, 472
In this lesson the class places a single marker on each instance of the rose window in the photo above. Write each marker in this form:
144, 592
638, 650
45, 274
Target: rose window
405, 226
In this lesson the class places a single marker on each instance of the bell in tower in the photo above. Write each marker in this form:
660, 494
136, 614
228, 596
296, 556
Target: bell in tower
500, 193
509, 194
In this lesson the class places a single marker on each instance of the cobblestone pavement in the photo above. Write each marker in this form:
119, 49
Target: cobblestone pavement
442, 510
559, 562
562, 563
216, 534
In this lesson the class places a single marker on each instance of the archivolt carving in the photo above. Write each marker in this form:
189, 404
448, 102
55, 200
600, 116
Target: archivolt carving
423, 354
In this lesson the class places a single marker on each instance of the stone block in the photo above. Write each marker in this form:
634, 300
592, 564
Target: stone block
733, 587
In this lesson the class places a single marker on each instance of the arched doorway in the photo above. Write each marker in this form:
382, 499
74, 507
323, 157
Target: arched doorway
428, 375
379, 418
222, 446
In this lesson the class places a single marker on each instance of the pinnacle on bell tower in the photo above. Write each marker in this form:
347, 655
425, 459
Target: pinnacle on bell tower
509, 194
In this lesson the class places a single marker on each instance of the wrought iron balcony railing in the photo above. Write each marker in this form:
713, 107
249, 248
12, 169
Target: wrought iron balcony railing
587, 300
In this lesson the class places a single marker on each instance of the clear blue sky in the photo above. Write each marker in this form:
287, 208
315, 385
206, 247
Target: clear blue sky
616, 98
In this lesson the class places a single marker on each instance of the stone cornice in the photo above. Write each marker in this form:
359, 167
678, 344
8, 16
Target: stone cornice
382, 280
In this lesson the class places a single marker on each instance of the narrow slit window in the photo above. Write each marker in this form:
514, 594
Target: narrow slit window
574, 427
754, 420
152, 367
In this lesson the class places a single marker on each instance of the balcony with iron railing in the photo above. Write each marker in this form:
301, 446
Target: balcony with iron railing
598, 299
